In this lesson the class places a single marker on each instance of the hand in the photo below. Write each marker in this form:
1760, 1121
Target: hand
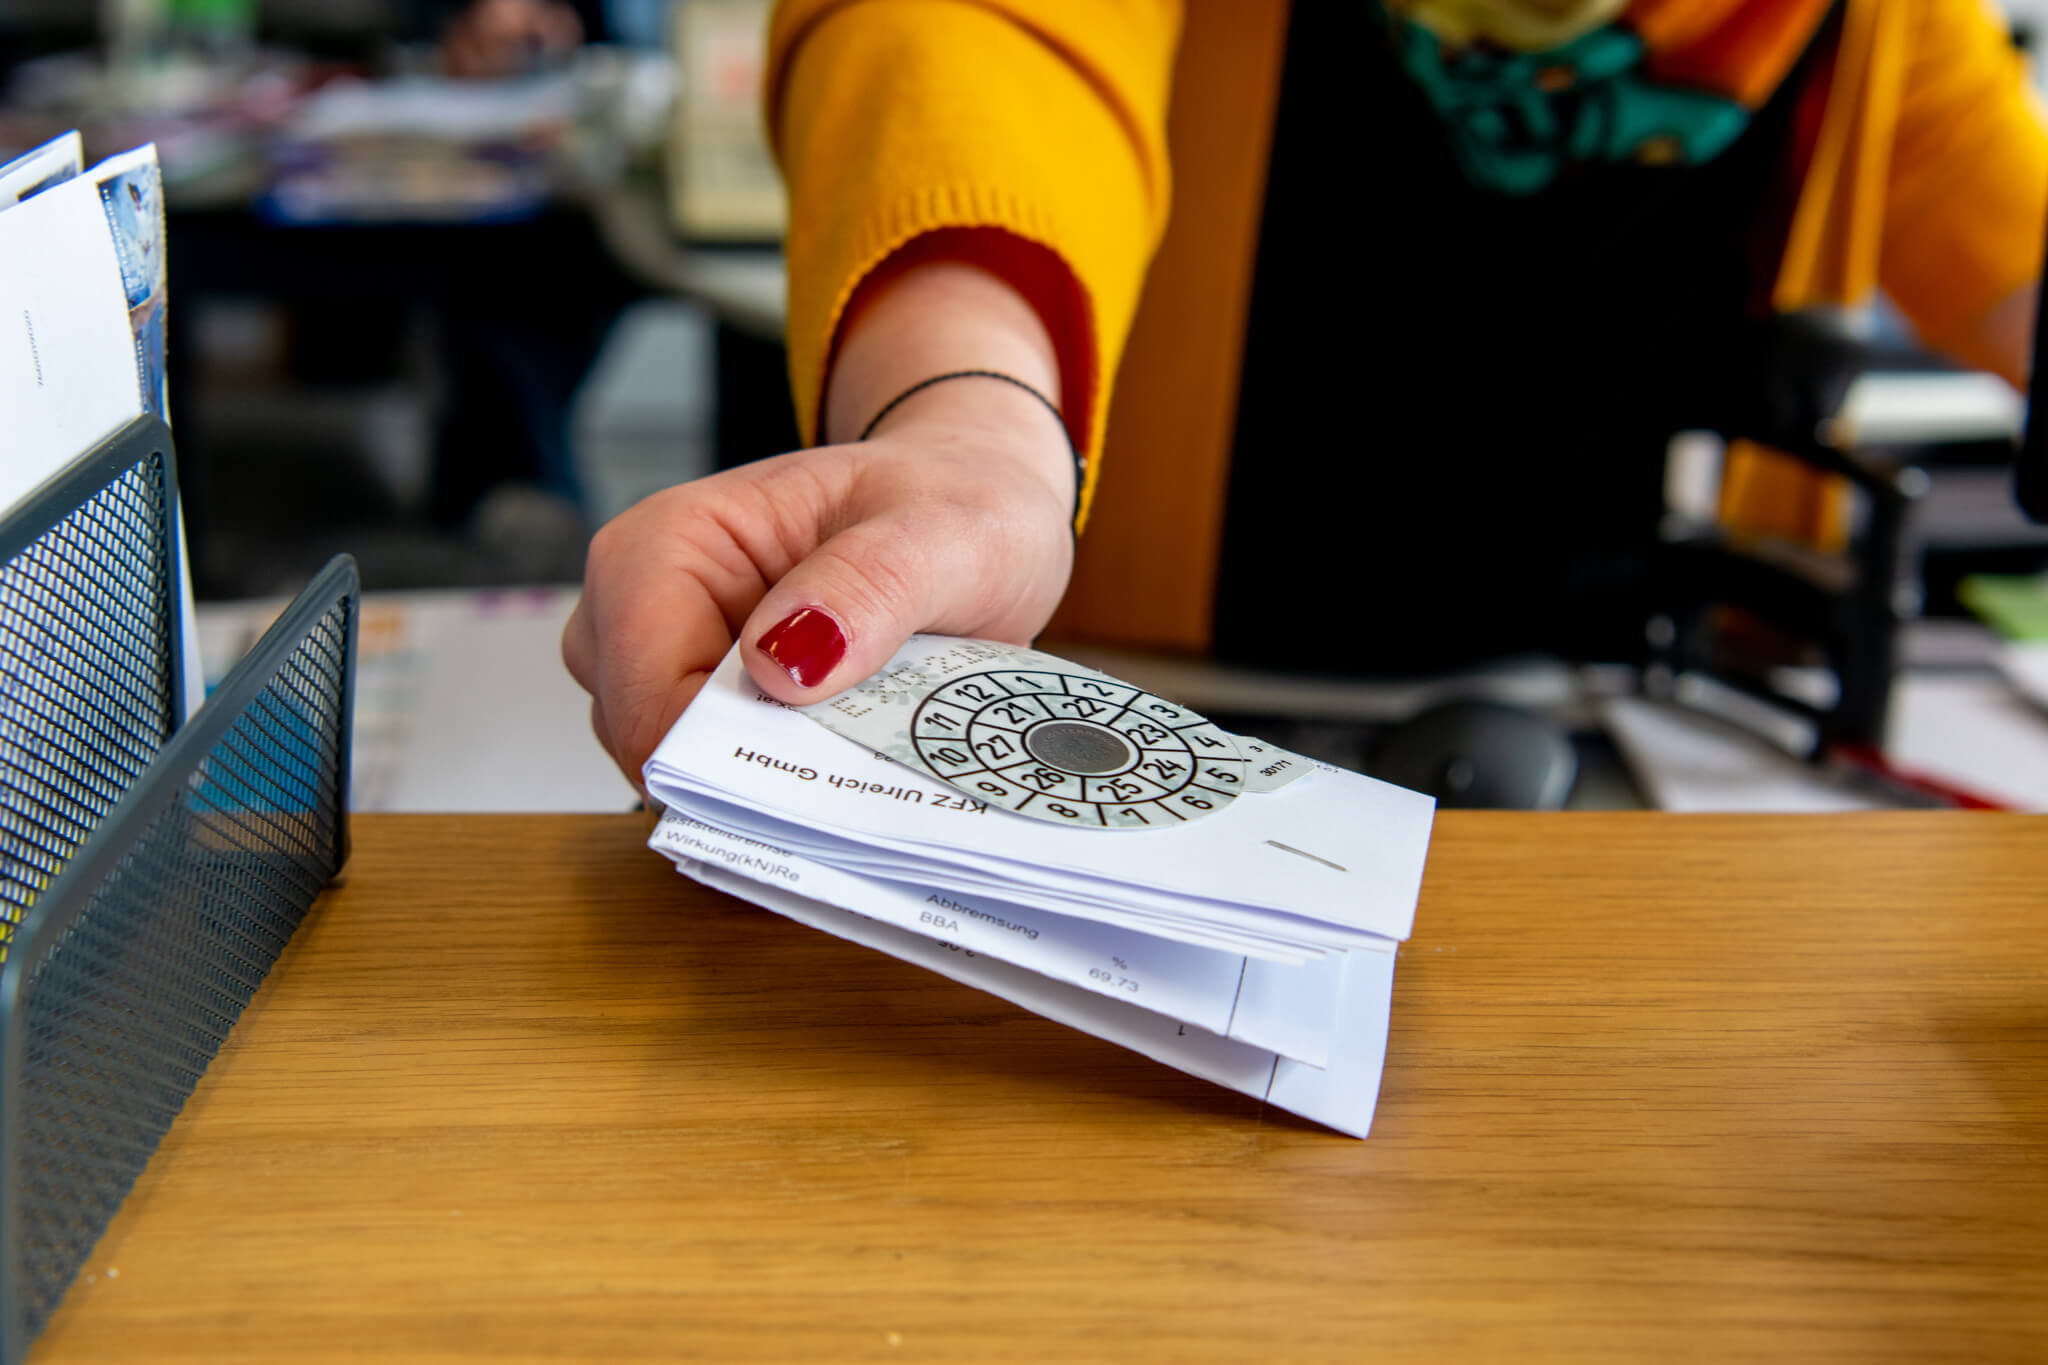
502, 37
953, 518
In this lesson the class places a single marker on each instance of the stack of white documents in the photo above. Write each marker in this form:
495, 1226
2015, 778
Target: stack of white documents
82, 300
1097, 854
82, 289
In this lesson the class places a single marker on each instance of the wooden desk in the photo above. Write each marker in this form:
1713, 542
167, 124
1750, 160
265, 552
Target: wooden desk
1661, 1088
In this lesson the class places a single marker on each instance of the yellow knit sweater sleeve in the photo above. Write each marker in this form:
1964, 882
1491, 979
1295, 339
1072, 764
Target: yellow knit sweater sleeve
1042, 118
1967, 194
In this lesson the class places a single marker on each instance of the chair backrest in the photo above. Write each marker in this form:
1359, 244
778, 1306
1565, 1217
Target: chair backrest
2030, 477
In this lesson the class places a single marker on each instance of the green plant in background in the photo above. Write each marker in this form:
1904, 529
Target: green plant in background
2015, 606
215, 24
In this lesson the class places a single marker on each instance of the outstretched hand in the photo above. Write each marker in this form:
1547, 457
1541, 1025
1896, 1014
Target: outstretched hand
954, 518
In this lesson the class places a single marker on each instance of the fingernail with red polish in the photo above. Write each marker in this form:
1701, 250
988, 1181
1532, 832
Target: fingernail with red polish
807, 644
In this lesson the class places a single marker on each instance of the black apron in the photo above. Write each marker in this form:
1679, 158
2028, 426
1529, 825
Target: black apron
1455, 403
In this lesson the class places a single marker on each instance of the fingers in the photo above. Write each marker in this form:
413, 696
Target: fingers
837, 617
667, 583
580, 655
860, 552
604, 740
647, 632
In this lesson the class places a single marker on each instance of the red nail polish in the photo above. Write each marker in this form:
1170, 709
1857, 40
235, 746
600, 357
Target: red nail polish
807, 644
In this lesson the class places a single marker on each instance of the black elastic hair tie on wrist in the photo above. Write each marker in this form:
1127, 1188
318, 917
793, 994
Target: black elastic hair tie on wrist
1080, 462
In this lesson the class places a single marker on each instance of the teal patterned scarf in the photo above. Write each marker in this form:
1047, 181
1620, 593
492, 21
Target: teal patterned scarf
1516, 119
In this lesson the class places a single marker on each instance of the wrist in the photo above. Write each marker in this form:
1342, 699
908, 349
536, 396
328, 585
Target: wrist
930, 319
989, 420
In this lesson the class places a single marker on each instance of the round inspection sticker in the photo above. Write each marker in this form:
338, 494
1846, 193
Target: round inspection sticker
1076, 749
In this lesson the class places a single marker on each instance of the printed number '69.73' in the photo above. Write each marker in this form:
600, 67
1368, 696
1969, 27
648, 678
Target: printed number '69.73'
1122, 983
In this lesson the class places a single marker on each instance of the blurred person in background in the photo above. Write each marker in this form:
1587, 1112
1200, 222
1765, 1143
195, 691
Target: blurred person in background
485, 39
1505, 240
515, 358
516, 310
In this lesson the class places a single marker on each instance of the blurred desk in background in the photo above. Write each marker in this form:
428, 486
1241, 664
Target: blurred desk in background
1969, 709
462, 703
745, 287
425, 268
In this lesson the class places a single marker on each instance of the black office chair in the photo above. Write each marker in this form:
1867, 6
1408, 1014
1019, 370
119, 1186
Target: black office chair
1786, 382
2030, 472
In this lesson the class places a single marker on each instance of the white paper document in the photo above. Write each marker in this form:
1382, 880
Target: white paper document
82, 300
33, 172
1203, 898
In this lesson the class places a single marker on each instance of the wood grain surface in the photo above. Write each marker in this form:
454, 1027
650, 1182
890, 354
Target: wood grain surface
1661, 1088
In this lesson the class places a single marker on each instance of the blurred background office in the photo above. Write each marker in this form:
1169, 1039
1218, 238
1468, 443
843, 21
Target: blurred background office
452, 282
433, 300
403, 233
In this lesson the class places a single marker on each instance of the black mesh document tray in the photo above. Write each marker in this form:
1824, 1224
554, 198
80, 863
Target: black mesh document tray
90, 666
125, 974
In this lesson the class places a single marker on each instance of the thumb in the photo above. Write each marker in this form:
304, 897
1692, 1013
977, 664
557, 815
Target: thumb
837, 617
